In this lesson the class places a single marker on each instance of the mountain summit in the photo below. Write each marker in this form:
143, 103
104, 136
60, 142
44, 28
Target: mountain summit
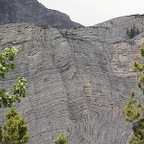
15, 11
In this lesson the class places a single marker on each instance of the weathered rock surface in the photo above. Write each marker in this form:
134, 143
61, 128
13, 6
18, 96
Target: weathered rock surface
78, 79
15, 11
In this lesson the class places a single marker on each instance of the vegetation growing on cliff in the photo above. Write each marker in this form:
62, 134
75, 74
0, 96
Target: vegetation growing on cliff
134, 109
14, 131
132, 32
61, 139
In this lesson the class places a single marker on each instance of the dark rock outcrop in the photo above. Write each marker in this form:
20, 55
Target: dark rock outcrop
78, 79
16, 11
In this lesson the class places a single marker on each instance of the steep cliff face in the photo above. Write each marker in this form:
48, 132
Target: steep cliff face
15, 11
78, 79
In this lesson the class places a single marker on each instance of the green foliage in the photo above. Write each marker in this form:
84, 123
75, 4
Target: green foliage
62, 139
139, 67
19, 91
6, 60
134, 109
15, 131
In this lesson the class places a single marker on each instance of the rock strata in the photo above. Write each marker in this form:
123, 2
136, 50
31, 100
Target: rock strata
78, 79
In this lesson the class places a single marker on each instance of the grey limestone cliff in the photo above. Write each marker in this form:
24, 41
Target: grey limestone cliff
78, 79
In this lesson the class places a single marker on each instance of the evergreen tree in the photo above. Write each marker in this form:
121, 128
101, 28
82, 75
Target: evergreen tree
132, 32
134, 109
61, 139
14, 130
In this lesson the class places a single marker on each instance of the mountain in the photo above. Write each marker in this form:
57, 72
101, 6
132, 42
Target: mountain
16, 11
78, 79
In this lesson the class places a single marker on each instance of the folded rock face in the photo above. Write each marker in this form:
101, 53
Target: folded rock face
78, 79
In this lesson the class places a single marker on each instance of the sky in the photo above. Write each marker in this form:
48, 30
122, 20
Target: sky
91, 12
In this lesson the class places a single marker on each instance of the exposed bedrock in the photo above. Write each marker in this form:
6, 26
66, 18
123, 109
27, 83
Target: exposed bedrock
78, 79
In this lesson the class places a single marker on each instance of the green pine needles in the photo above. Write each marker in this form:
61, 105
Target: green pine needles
134, 109
14, 130
61, 139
